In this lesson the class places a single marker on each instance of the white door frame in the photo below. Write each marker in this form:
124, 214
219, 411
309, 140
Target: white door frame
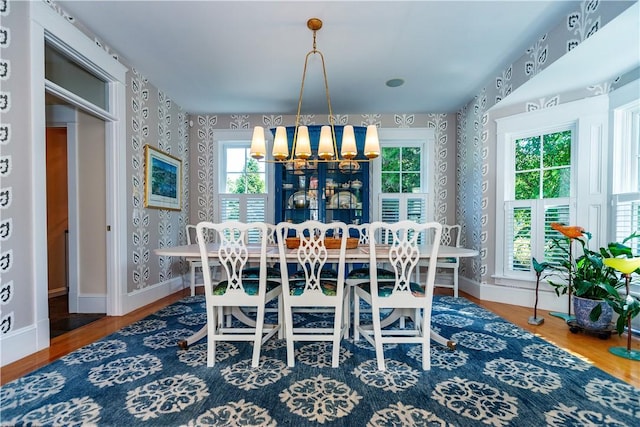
47, 25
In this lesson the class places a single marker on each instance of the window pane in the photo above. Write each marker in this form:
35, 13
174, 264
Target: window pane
528, 153
233, 181
556, 183
236, 159
390, 182
527, 185
557, 149
521, 243
410, 181
410, 159
390, 159
62, 71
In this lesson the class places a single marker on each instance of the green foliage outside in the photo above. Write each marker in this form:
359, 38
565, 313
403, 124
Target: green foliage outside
250, 182
400, 169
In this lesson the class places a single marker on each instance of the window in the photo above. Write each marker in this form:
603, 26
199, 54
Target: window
551, 168
400, 179
243, 185
542, 186
626, 170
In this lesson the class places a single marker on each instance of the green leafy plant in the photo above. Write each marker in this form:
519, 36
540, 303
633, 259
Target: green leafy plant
586, 275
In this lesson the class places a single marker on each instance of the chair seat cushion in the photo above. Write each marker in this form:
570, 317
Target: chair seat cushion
386, 288
250, 287
326, 273
363, 273
328, 286
254, 273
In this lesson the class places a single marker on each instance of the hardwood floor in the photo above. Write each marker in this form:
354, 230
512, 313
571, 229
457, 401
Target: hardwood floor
588, 347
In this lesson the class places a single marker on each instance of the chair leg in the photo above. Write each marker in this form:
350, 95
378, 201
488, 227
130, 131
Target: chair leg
257, 340
455, 282
356, 316
289, 335
377, 333
192, 269
212, 326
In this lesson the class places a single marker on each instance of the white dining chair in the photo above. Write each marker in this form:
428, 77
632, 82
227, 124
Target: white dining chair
402, 296
312, 288
195, 264
447, 267
236, 290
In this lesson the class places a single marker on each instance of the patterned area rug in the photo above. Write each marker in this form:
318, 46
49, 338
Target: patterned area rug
500, 375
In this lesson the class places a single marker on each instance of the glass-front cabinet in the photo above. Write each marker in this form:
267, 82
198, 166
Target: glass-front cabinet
323, 191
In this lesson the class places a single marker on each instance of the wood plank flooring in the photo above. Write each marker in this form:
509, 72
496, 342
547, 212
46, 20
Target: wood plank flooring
590, 348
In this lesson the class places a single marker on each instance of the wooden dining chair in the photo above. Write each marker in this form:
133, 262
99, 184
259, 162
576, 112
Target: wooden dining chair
401, 295
312, 289
236, 290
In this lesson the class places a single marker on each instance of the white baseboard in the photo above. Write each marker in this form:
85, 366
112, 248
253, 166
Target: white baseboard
137, 299
24, 342
525, 297
92, 303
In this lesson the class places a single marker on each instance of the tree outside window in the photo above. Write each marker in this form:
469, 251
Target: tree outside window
401, 169
245, 175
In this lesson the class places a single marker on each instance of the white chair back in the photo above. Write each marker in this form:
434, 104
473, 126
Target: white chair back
311, 289
238, 290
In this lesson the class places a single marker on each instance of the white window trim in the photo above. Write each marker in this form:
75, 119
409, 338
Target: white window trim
405, 137
589, 158
227, 137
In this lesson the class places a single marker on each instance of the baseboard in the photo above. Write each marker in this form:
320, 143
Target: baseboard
92, 303
525, 297
138, 299
57, 292
24, 342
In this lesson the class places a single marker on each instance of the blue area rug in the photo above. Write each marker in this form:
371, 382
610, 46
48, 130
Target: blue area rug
500, 375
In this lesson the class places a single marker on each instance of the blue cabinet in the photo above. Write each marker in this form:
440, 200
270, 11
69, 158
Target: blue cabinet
323, 191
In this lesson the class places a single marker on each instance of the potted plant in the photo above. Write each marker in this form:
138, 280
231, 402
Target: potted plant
586, 278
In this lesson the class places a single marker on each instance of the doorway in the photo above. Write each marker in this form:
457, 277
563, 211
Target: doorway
61, 318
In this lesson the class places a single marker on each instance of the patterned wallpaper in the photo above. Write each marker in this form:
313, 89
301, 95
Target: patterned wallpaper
7, 236
204, 169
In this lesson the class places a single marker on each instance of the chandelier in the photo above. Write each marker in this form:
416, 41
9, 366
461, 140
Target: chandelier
327, 145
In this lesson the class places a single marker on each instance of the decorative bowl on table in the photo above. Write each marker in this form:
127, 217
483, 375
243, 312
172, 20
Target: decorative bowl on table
329, 242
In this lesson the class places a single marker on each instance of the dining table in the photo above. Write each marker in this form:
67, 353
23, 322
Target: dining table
358, 255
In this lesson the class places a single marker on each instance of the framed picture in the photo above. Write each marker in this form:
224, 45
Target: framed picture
163, 179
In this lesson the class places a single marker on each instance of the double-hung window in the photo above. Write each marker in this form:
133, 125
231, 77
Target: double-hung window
552, 167
625, 199
540, 194
400, 180
242, 183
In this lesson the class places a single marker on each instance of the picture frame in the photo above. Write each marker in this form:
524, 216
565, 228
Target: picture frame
163, 180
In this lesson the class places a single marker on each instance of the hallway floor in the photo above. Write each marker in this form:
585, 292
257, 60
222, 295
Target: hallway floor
61, 321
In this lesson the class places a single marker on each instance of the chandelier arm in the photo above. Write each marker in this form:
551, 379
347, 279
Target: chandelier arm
331, 118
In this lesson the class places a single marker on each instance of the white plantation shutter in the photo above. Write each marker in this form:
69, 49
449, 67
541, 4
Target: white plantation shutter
626, 213
528, 231
244, 208
400, 206
518, 235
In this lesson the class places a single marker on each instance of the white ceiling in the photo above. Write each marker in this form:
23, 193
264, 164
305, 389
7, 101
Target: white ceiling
230, 57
